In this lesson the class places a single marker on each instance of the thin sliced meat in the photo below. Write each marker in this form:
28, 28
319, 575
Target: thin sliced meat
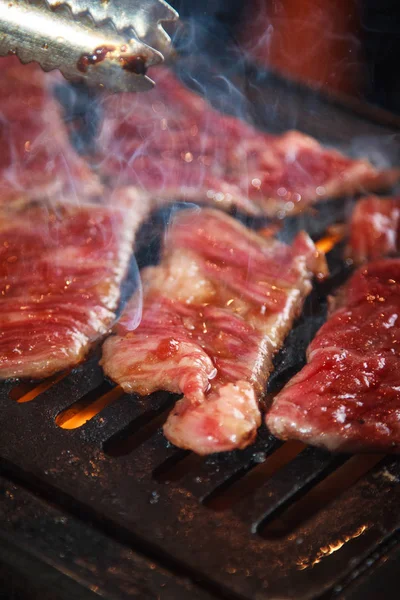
347, 398
37, 160
174, 146
60, 273
374, 229
216, 309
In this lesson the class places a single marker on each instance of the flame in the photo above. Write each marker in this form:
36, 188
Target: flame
76, 416
27, 392
270, 230
326, 243
324, 551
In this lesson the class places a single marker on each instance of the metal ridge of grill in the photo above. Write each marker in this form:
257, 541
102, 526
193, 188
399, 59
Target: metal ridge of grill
276, 520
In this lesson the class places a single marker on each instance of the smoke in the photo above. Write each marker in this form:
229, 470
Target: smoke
382, 151
170, 147
132, 291
38, 162
81, 113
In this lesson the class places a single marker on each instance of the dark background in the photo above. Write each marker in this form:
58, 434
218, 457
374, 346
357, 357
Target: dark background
375, 33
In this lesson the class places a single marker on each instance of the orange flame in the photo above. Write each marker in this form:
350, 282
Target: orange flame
324, 551
25, 392
326, 243
77, 415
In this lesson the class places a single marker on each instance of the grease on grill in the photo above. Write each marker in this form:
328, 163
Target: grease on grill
134, 64
94, 58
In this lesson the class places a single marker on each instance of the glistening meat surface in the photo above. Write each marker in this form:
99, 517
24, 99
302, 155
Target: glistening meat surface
60, 273
174, 146
216, 309
37, 159
347, 397
374, 228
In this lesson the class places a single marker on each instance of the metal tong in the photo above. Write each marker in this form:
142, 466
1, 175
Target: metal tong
108, 43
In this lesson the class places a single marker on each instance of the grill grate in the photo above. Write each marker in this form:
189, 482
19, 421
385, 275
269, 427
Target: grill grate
226, 548
83, 562
114, 507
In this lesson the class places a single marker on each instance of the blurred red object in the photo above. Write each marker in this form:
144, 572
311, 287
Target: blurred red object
314, 41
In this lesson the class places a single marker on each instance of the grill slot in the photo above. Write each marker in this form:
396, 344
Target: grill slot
141, 429
89, 406
215, 472
177, 466
71, 388
302, 507
26, 392
263, 468
20, 390
305, 469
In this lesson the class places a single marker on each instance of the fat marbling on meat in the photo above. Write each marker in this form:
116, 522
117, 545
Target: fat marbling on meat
61, 267
347, 398
174, 146
215, 311
374, 228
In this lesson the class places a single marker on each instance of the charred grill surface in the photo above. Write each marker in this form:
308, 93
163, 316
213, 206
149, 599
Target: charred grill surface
110, 506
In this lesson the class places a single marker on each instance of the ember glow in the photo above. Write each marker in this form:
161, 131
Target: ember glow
78, 415
25, 392
328, 242
325, 551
